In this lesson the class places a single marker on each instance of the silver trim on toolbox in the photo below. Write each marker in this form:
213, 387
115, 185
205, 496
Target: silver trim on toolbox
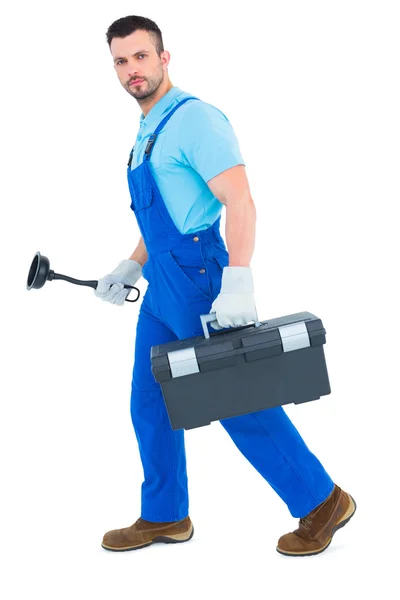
183, 362
294, 336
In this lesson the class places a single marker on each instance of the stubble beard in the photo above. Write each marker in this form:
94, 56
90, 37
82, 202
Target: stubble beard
151, 85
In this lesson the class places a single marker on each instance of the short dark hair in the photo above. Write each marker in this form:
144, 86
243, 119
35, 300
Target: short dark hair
127, 25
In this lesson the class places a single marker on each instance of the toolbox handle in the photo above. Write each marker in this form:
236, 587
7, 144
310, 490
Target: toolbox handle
210, 318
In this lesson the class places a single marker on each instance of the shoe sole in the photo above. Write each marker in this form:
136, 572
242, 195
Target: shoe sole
177, 538
344, 520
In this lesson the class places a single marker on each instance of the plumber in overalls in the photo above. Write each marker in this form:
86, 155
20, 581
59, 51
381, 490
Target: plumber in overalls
184, 166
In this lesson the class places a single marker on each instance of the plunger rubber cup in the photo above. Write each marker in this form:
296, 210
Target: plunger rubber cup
38, 272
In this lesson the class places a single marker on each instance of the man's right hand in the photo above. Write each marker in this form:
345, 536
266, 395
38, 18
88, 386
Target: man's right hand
111, 287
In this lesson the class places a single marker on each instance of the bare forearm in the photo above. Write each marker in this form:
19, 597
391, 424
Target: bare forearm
240, 232
140, 253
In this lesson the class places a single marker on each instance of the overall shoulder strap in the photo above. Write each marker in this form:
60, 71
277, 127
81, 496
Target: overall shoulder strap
167, 117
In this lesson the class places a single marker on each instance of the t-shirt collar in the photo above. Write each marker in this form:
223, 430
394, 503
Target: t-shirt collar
156, 113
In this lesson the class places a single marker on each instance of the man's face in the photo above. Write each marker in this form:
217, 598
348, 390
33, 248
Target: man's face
139, 68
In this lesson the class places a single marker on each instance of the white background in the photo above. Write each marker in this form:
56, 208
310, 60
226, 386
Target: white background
312, 90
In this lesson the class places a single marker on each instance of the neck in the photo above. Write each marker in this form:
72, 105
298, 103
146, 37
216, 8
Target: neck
147, 103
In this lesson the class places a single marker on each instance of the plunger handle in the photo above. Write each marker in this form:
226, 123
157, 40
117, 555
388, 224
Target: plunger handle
90, 283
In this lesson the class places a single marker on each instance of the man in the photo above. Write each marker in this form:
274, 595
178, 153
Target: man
185, 165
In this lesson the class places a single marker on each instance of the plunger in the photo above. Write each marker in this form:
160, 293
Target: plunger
40, 272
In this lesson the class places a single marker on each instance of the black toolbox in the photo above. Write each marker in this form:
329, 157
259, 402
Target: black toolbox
241, 370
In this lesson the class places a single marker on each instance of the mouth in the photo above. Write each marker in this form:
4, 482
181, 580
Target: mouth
137, 82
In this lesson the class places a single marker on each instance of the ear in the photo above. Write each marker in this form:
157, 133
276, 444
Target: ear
165, 58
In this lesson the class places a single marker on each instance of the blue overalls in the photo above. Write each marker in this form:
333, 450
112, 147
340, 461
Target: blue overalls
184, 273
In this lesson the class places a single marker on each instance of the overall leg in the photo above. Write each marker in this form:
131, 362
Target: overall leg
272, 444
162, 450
164, 511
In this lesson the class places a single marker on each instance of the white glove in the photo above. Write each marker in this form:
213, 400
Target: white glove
235, 304
111, 287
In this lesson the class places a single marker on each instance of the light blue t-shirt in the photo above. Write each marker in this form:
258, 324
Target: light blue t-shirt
196, 144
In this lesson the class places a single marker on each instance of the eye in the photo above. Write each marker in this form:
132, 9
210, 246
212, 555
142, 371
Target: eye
119, 61
139, 55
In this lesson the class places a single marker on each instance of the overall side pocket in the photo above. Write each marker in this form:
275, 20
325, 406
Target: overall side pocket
192, 280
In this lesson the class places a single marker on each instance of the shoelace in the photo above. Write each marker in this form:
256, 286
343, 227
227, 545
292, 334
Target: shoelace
305, 522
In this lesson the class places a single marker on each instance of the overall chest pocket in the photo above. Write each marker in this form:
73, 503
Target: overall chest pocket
141, 199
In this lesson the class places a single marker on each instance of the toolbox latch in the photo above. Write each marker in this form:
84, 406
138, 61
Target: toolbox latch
294, 336
183, 362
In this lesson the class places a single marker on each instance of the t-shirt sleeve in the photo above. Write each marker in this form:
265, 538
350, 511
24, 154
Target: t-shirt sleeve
207, 141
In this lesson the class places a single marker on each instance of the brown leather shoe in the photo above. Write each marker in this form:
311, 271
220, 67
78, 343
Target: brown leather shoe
143, 533
316, 530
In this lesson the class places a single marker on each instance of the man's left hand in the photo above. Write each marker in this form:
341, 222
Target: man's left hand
235, 304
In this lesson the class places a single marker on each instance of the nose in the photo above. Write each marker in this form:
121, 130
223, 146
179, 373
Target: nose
132, 70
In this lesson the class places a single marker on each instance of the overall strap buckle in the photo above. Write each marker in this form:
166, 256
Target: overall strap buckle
130, 157
150, 143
